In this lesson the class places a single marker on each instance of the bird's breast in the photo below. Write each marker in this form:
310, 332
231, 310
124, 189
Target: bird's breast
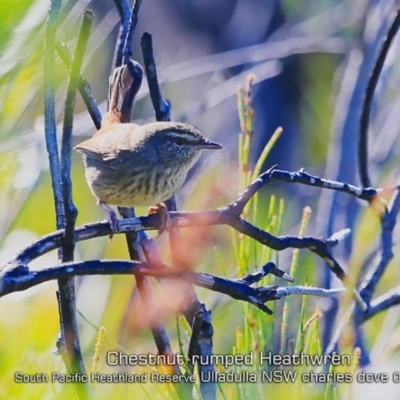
136, 186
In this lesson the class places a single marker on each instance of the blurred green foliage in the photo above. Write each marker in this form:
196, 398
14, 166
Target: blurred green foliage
29, 320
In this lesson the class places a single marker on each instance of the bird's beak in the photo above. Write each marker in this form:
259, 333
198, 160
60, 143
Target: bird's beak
210, 145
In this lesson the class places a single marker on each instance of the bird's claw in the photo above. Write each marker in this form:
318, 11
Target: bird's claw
165, 219
113, 219
113, 224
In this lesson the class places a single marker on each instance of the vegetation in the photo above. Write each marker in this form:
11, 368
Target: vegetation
111, 317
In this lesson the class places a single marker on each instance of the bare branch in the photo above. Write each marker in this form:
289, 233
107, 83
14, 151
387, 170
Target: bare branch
366, 110
194, 339
161, 106
71, 353
229, 215
66, 293
23, 278
123, 8
83, 86
50, 128
307, 291
124, 86
388, 223
382, 303
133, 19
201, 342
66, 144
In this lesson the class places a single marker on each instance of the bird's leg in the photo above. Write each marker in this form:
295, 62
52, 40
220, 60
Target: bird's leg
112, 217
162, 210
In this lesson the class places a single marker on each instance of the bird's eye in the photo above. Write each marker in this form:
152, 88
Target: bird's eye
179, 141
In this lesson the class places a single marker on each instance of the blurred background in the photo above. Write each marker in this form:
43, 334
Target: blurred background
311, 63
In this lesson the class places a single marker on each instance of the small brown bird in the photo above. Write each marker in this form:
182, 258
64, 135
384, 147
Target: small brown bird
130, 165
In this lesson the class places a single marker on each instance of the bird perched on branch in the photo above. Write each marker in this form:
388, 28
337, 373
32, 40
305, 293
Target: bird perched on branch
129, 165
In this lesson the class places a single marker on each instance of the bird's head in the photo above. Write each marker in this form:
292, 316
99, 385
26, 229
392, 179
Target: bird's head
178, 143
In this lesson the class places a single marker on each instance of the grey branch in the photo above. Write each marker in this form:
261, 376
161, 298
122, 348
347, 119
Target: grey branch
23, 278
229, 215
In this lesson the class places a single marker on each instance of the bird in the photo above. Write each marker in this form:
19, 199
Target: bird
130, 165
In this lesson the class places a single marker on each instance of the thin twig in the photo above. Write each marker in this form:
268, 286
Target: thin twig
201, 342
388, 222
180, 219
136, 253
68, 342
83, 86
228, 215
23, 278
368, 286
194, 339
66, 294
123, 89
306, 179
382, 303
366, 110
124, 10
49, 109
133, 20
188, 219
161, 106
51, 134
343, 145
66, 143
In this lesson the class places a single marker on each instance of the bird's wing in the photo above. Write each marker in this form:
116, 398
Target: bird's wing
105, 158
112, 149
107, 150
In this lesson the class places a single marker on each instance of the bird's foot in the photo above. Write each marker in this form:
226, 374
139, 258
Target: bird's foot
165, 220
112, 216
